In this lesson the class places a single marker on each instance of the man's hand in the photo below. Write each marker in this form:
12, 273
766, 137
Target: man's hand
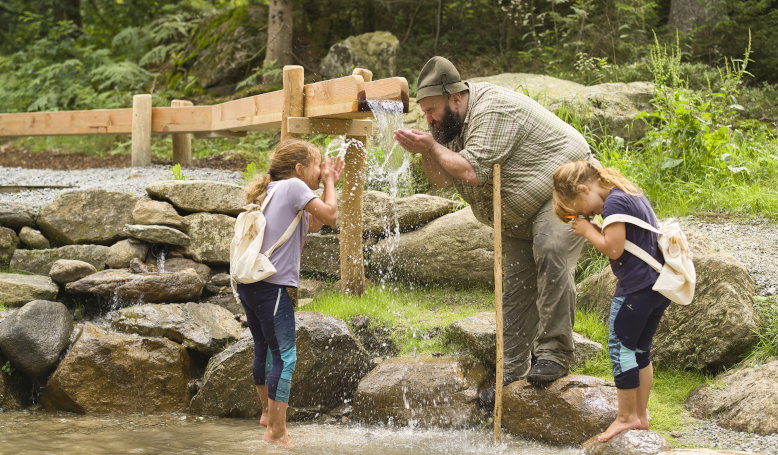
415, 141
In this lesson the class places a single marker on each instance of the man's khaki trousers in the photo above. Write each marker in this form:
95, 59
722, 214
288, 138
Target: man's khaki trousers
539, 259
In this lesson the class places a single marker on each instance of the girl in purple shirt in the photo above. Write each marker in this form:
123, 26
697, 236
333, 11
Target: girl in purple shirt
580, 189
296, 169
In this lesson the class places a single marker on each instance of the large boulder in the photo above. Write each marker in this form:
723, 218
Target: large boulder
16, 216
65, 271
454, 248
201, 326
157, 234
424, 391
158, 213
16, 289
211, 235
39, 262
123, 252
330, 363
8, 244
321, 255
569, 411
714, 331
33, 238
179, 264
112, 373
90, 216
478, 334
630, 442
199, 195
376, 51
183, 286
743, 399
33, 337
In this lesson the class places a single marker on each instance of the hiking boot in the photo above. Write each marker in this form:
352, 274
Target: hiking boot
487, 396
546, 371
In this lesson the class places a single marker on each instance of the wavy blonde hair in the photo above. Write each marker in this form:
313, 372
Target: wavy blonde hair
570, 176
282, 166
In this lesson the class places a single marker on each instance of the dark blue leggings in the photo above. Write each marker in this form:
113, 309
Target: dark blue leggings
634, 319
270, 316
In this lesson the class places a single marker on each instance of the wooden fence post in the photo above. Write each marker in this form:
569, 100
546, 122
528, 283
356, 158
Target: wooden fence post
182, 143
294, 98
141, 130
352, 261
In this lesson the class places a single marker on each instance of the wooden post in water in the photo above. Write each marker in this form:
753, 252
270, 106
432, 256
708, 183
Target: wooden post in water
294, 98
141, 130
352, 261
497, 202
182, 143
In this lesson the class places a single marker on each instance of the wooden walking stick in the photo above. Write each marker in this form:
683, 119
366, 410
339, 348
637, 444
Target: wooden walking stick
497, 202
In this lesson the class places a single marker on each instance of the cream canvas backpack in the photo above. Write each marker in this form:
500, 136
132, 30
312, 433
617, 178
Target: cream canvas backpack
247, 263
677, 277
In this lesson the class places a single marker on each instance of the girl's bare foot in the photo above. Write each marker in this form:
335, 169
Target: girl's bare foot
263, 420
619, 425
283, 441
643, 423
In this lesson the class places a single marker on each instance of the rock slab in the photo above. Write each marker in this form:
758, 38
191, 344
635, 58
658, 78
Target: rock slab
630, 442
110, 373
16, 290
157, 234
16, 216
321, 255
39, 262
33, 238
199, 195
65, 271
569, 411
184, 286
426, 391
201, 326
330, 363
92, 216
210, 236
33, 337
158, 213
123, 252
743, 399
8, 244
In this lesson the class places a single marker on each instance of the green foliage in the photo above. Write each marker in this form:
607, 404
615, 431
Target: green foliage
251, 172
767, 334
8, 369
177, 174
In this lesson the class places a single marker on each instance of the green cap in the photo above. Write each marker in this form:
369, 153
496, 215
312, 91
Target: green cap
438, 77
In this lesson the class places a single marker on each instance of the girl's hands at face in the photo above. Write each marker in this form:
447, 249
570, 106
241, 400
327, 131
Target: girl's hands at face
582, 227
331, 169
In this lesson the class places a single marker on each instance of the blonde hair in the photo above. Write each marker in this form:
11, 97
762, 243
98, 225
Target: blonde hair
282, 166
569, 176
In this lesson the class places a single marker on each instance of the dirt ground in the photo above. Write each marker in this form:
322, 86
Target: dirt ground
16, 157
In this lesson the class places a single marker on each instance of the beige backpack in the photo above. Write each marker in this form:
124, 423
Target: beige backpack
677, 277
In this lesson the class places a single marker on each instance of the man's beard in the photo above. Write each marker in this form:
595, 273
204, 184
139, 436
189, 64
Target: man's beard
447, 128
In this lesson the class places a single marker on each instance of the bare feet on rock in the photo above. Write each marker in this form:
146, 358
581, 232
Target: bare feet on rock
644, 425
619, 425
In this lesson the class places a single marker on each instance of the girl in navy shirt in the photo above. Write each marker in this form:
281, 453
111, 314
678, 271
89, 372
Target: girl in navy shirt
580, 189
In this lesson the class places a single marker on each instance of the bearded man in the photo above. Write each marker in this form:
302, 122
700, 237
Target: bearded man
475, 126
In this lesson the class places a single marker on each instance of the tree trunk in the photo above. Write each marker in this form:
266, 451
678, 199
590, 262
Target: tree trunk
686, 15
279, 33
68, 10
440, 19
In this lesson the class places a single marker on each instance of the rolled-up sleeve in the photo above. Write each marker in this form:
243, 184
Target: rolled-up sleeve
491, 139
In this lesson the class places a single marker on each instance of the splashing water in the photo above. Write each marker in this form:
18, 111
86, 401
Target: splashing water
388, 117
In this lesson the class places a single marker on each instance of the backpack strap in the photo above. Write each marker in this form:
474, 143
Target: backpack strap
640, 253
287, 234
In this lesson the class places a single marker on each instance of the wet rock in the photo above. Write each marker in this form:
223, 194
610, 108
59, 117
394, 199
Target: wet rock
630, 442
33, 238
330, 363
34, 336
8, 244
157, 234
39, 262
431, 392
221, 279
377, 339
419, 209
309, 289
92, 216
376, 50
16, 216
225, 300
183, 286
65, 271
16, 290
321, 255
136, 266
741, 400
569, 411
478, 334
13, 389
111, 373
158, 213
714, 331
211, 235
201, 326
185, 252
199, 195
180, 264
123, 252
454, 248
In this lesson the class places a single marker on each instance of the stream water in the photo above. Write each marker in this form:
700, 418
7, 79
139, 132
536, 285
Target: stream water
65, 433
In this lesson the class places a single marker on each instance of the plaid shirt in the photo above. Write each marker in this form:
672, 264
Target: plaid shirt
529, 142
